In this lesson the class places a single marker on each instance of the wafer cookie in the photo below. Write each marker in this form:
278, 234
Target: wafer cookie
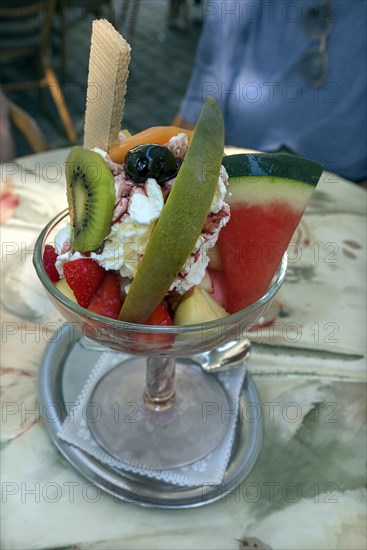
107, 76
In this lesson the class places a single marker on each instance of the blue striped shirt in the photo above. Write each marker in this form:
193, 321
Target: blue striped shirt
248, 59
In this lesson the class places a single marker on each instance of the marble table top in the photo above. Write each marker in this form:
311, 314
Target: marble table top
307, 489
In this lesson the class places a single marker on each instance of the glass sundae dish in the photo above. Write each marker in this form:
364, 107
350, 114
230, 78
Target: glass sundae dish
194, 285
161, 417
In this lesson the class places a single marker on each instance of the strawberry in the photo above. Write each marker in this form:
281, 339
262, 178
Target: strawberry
160, 316
49, 261
107, 301
84, 277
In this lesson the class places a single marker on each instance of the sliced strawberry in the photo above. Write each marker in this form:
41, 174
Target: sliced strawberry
160, 317
107, 301
84, 277
49, 261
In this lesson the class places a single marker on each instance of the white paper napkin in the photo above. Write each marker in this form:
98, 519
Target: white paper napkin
208, 470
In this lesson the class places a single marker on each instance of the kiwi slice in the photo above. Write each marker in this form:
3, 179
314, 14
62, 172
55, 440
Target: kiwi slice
182, 218
91, 198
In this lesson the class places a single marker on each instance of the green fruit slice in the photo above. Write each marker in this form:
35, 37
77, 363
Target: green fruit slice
91, 198
182, 218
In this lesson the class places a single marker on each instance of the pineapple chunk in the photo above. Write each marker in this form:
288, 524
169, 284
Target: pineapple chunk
197, 306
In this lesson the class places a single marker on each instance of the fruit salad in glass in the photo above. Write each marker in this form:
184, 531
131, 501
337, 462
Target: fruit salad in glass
157, 261
160, 234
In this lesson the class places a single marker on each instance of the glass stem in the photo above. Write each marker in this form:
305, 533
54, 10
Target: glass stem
159, 393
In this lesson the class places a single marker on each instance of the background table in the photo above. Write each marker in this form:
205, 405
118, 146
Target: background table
307, 488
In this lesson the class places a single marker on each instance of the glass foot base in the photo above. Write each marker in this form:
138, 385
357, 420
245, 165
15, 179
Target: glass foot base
65, 368
158, 440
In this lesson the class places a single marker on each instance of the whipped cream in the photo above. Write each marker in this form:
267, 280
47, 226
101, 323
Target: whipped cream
146, 203
100, 152
61, 238
128, 238
137, 216
178, 145
220, 192
124, 247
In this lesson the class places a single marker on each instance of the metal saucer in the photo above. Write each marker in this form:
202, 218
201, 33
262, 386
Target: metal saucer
65, 368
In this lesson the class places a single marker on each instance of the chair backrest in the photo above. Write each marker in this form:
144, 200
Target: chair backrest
28, 127
24, 27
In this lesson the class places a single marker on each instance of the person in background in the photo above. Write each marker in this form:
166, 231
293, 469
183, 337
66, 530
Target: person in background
289, 76
7, 149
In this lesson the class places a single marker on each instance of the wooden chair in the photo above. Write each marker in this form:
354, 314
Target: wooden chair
28, 127
25, 27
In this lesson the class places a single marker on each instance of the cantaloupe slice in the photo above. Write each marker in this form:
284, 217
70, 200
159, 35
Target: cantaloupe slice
156, 134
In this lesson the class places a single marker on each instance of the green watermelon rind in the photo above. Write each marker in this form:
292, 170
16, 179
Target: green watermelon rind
268, 190
275, 165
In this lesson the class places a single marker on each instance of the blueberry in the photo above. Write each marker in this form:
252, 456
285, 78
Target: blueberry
151, 161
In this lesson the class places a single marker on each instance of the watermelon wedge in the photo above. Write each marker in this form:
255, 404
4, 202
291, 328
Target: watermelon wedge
268, 194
